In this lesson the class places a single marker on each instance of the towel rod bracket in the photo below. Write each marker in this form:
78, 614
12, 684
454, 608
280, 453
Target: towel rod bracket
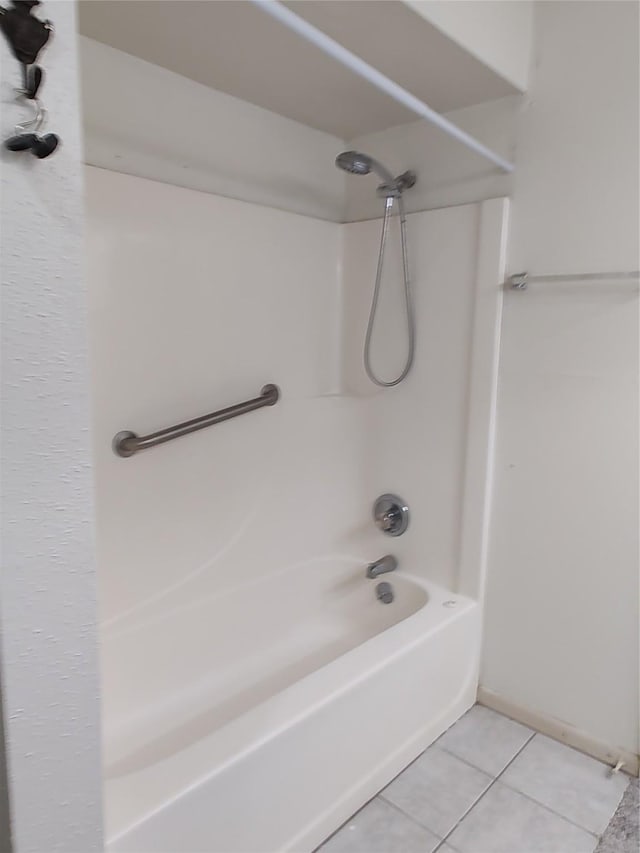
519, 281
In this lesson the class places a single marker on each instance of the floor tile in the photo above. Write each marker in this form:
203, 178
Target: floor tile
380, 828
572, 784
485, 739
623, 833
505, 821
437, 789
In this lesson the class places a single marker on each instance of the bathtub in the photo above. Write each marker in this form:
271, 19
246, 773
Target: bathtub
259, 719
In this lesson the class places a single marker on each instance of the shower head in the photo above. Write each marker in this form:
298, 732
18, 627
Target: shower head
357, 163
354, 162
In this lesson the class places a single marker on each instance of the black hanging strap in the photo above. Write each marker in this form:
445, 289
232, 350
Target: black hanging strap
26, 34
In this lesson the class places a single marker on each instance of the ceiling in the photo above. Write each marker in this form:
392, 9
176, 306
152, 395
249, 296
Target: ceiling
233, 46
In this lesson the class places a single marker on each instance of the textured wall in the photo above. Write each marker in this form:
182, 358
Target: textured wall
49, 661
5, 823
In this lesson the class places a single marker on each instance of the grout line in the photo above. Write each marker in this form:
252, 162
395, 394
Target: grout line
522, 794
548, 808
493, 780
401, 811
486, 790
411, 818
553, 812
475, 766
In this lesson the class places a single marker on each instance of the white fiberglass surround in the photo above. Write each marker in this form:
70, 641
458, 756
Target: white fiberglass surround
256, 692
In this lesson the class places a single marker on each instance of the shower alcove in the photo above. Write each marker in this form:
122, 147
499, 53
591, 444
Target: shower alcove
255, 690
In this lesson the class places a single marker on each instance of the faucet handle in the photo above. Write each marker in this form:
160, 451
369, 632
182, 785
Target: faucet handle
391, 515
388, 520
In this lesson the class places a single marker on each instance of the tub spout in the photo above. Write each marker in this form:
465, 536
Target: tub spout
381, 566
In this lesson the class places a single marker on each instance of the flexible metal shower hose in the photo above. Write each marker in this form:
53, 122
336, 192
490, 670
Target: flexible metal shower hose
388, 207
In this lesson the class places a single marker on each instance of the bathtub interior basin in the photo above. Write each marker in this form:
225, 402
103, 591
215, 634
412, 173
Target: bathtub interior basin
174, 678
195, 696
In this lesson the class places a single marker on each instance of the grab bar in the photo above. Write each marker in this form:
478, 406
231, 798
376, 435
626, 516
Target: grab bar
126, 443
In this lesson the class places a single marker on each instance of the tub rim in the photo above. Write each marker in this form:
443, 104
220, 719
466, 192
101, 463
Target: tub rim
192, 766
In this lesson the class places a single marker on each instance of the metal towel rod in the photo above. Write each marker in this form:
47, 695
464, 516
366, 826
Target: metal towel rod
521, 280
126, 443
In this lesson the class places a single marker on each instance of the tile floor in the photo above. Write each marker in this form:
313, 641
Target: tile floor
488, 785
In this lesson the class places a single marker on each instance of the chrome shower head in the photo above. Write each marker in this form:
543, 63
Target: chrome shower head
354, 162
357, 163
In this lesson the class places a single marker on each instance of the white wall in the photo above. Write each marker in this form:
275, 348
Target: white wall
143, 120
48, 602
575, 201
192, 136
413, 436
196, 303
562, 608
498, 32
429, 438
185, 319
448, 173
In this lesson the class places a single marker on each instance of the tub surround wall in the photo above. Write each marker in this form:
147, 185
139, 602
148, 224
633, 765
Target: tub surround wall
197, 302
479, 456
457, 265
428, 409
184, 319
49, 665
446, 406
219, 322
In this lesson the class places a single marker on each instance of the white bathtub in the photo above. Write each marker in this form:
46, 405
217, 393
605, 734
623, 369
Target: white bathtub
264, 731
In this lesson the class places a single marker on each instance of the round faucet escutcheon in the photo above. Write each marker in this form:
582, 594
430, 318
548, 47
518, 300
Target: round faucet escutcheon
391, 514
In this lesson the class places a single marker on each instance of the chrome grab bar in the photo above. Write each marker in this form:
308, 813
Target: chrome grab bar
126, 443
